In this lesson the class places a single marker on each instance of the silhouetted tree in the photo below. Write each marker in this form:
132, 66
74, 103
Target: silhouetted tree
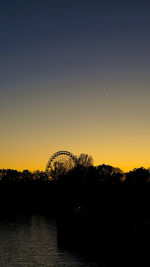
40, 176
138, 176
26, 176
85, 160
110, 175
9, 176
92, 175
74, 175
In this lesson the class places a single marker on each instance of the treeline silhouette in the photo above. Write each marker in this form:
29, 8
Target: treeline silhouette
102, 174
84, 185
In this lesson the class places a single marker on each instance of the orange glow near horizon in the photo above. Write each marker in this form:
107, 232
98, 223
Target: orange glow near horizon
37, 159
103, 124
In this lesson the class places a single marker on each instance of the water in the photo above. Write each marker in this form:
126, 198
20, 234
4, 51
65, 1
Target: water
32, 241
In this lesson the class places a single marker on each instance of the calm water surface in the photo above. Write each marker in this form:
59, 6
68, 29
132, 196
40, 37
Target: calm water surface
32, 241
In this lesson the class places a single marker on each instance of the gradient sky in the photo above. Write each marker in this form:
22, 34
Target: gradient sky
74, 75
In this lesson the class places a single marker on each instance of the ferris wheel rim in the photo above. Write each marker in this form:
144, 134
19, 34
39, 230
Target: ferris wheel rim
57, 154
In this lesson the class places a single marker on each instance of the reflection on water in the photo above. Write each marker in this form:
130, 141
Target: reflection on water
32, 241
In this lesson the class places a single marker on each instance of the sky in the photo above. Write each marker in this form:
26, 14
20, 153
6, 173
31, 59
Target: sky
74, 75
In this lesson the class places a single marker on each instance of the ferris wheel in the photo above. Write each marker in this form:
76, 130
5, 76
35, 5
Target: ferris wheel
60, 163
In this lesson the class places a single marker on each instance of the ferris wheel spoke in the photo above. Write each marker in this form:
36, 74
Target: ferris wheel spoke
60, 163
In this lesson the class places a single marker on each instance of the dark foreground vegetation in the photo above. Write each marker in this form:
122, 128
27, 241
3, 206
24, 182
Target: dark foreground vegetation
101, 189
104, 195
85, 175
94, 205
